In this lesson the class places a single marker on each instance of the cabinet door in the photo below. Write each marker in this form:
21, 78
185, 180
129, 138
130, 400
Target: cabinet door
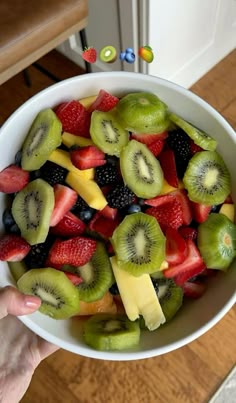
189, 37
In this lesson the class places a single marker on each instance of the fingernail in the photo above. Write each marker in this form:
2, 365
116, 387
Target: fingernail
32, 302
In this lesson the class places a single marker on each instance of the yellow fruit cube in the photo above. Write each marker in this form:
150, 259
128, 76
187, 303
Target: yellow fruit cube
87, 101
228, 210
70, 140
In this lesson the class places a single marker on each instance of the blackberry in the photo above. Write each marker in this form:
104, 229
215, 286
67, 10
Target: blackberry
120, 196
179, 142
53, 173
106, 175
38, 253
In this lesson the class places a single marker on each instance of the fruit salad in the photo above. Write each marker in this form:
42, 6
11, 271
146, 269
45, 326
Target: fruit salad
119, 211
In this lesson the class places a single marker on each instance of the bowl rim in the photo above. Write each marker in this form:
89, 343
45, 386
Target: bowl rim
86, 351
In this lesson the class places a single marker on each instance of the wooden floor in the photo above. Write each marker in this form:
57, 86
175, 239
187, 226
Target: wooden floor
188, 375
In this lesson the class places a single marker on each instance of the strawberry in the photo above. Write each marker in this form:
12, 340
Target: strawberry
65, 198
194, 289
70, 225
76, 280
103, 225
200, 211
90, 55
13, 179
13, 248
176, 247
159, 200
104, 102
156, 147
194, 148
188, 232
192, 261
75, 251
87, 157
168, 165
74, 117
109, 212
148, 139
181, 278
168, 214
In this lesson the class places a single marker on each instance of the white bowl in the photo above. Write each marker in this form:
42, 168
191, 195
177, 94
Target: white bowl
196, 317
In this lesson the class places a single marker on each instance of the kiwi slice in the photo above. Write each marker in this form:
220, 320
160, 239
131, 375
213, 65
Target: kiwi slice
198, 136
207, 178
108, 332
108, 54
32, 208
143, 112
60, 298
170, 296
17, 269
43, 137
139, 244
97, 275
216, 241
140, 170
107, 133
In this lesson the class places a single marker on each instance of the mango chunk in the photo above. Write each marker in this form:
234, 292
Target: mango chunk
87, 101
228, 209
88, 190
166, 188
70, 140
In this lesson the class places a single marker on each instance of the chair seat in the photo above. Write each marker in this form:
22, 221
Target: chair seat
31, 28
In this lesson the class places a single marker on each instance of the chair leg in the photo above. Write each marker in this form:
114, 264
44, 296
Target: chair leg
84, 44
26, 76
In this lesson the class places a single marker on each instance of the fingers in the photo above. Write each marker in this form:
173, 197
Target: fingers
14, 303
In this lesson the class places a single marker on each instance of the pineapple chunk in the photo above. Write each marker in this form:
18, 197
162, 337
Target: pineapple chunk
72, 140
88, 190
166, 188
62, 158
138, 296
87, 101
228, 210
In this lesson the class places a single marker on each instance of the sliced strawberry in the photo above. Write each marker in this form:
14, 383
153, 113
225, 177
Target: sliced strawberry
104, 102
74, 117
176, 247
76, 251
200, 211
192, 261
159, 200
65, 198
156, 147
148, 139
87, 157
188, 232
109, 212
13, 179
181, 196
13, 248
181, 278
168, 214
194, 289
168, 165
229, 199
103, 225
74, 278
70, 225
194, 148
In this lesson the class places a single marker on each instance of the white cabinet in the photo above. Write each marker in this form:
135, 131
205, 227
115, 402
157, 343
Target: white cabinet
188, 37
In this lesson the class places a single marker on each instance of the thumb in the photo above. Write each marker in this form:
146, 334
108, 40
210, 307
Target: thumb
14, 303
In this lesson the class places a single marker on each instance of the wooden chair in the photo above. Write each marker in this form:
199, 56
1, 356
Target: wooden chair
29, 29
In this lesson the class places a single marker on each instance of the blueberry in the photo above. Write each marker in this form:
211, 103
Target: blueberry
134, 208
130, 57
114, 289
129, 50
18, 158
122, 56
7, 219
14, 229
86, 215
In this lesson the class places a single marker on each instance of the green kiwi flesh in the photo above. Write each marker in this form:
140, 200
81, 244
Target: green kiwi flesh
139, 244
60, 298
216, 241
199, 137
107, 133
108, 54
97, 275
32, 208
170, 297
107, 332
44, 136
140, 170
142, 112
207, 178
17, 269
